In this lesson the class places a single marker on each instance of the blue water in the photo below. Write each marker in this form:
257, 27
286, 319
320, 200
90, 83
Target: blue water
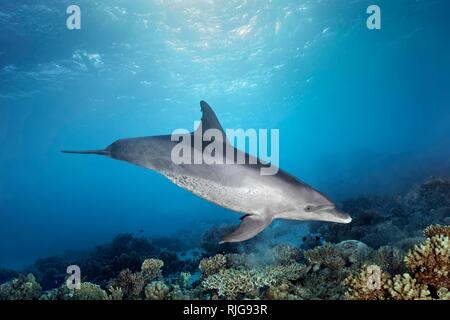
359, 111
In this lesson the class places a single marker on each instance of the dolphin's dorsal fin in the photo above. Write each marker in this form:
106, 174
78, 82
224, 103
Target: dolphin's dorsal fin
209, 119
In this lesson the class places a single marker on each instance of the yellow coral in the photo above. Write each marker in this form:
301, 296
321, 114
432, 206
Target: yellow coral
115, 293
89, 291
430, 262
278, 292
437, 229
367, 284
157, 290
151, 269
443, 294
404, 287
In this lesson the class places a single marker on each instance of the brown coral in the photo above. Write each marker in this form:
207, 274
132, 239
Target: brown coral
157, 290
151, 269
131, 284
212, 265
435, 230
430, 262
326, 255
284, 254
279, 292
370, 283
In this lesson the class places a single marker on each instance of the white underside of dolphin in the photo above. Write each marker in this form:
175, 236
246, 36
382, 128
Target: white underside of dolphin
238, 187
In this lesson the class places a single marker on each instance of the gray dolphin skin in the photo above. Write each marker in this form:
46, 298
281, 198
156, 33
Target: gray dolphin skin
238, 187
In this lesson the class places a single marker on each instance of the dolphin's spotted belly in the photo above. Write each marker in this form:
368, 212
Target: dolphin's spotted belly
240, 199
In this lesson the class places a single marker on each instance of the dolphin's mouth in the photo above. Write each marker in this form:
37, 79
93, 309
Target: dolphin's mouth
334, 215
341, 217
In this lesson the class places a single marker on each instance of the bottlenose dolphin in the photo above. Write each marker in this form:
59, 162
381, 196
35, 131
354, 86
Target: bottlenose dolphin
238, 187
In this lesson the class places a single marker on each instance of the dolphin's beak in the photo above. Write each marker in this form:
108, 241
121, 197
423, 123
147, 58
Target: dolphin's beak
341, 217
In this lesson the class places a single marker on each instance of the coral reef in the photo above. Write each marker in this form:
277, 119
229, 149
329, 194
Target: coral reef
365, 285
89, 291
151, 269
130, 283
156, 290
393, 250
234, 283
327, 255
21, 288
429, 267
212, 265
404, 287
430, 262
389, 221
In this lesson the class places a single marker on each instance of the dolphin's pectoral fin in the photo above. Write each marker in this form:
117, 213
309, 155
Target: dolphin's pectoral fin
250, 226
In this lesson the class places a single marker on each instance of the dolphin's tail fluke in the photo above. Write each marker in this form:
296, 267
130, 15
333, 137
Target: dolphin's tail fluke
103, 152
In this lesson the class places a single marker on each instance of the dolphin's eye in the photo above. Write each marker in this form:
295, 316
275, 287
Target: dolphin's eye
309, 208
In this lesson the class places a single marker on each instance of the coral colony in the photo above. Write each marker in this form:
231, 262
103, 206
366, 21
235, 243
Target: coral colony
396, 249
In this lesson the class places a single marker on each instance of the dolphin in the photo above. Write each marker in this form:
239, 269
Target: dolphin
238, 187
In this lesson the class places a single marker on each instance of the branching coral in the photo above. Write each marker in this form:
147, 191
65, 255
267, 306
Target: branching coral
157, 290
21, 288
231, 283
368, 284
435, 230
389, 259
279, 292
284, 254
130, 283
115, 293
430, 262
404, 287
212, 265
89, 291
326, 255
429, 265
184, 280
151, 269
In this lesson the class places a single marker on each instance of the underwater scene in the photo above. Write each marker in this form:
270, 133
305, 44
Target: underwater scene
224, 150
